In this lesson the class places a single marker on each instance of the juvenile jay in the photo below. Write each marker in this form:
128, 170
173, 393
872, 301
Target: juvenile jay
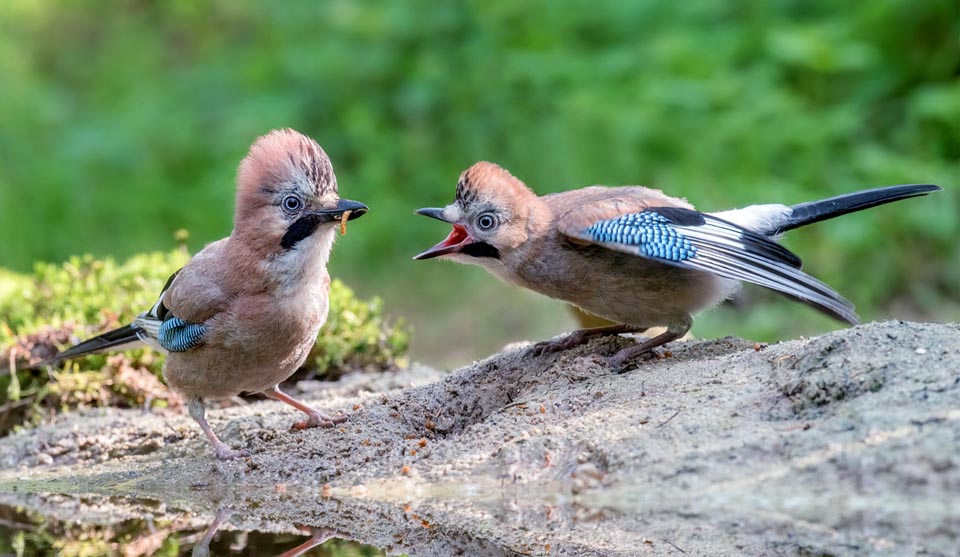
634, 255
242, 315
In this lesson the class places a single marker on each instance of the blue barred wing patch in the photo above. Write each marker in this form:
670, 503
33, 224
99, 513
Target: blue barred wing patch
177, 335
652, 234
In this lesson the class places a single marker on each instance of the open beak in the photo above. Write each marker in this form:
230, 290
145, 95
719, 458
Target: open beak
454, 242
433, 213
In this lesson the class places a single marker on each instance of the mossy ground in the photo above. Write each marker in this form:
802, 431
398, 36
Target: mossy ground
60, 304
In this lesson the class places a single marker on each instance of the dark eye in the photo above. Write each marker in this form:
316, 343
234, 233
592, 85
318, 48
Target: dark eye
486, 221
291, 204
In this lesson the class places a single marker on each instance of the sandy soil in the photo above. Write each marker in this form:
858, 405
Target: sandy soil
844, 444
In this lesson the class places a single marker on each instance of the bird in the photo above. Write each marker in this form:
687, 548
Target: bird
242, 315
634, 255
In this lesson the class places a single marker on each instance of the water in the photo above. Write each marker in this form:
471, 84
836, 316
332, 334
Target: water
487, 518
384, 518
24, 533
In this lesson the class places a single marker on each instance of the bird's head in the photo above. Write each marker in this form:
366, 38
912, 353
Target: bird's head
491, 215
287, 196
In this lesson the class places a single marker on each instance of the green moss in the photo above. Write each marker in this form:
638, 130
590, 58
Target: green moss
62, 304
357, 335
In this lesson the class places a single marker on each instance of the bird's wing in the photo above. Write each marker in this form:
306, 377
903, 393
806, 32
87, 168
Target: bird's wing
686, 238
192, 296
160, 328
150, 321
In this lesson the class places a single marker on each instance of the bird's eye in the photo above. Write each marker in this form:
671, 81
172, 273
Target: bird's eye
291, 204
486, 221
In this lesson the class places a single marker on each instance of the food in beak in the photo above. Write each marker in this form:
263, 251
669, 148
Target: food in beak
343, 222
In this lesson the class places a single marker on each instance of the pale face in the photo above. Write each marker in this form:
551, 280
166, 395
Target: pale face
489, 217
288, 193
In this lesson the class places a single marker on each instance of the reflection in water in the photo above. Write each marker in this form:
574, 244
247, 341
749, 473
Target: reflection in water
202, 547
318, 536
440, 520
26, 534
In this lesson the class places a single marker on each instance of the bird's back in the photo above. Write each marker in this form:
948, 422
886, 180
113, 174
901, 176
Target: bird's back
614, 285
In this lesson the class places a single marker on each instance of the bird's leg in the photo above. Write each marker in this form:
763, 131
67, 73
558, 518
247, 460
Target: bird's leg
578, 337
618, 361
202, 547
315, 418
318, 536
198, 412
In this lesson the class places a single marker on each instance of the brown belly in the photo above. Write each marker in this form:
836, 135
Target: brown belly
251, 359
623, 288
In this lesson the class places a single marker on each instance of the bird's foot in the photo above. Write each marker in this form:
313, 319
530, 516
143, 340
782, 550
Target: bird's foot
565, 342
620, 362
319, 419
578, 337
223, 452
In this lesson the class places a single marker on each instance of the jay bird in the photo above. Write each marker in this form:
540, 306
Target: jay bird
634, 255
243, 314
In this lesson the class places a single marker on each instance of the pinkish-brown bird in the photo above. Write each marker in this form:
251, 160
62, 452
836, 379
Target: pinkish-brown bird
633, 255
243, 314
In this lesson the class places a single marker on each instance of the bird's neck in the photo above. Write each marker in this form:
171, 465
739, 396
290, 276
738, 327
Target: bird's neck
540, 219
286, 271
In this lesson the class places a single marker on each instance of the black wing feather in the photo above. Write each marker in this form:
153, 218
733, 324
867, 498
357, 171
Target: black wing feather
694, 240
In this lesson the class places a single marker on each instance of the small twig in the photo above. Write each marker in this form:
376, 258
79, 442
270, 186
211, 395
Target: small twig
671, 544
664, 422
13, 391
17, 525
13, 360
517, 403
14, 403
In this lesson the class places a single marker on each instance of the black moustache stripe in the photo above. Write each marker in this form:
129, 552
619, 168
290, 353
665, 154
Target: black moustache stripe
301, 228
480, 249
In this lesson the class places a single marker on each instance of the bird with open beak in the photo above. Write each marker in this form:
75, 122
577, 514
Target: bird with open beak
243, 314
633, 255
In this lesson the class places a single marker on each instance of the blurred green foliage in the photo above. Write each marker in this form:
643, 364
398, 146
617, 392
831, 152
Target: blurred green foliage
62, 304
124, 120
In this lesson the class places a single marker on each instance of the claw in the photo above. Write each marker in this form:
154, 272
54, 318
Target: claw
318, 419
223, 452
557, 345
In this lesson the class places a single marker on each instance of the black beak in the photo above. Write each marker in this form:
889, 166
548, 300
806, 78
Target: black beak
309, 221
433, 213
356, 209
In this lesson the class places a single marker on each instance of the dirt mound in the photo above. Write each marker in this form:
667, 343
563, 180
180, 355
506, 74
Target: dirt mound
841, 444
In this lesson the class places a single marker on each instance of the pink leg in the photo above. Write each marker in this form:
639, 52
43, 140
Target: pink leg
202, 547
318, 536
198, 413
315, 418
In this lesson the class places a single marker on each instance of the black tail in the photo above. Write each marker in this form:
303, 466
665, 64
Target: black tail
816, 211
127, 334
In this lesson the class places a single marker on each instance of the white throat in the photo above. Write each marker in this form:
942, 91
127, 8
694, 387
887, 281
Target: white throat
304, 265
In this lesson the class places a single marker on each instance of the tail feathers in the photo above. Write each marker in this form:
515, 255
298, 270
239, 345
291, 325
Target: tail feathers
116, 339
816, 211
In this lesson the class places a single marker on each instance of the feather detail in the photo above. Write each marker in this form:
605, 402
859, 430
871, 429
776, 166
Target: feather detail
122, 338
686, 238
177, 335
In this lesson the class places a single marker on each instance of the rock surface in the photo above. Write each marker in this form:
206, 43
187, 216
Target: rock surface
844, 444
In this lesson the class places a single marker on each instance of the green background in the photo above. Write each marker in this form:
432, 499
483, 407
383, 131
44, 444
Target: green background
121, 122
